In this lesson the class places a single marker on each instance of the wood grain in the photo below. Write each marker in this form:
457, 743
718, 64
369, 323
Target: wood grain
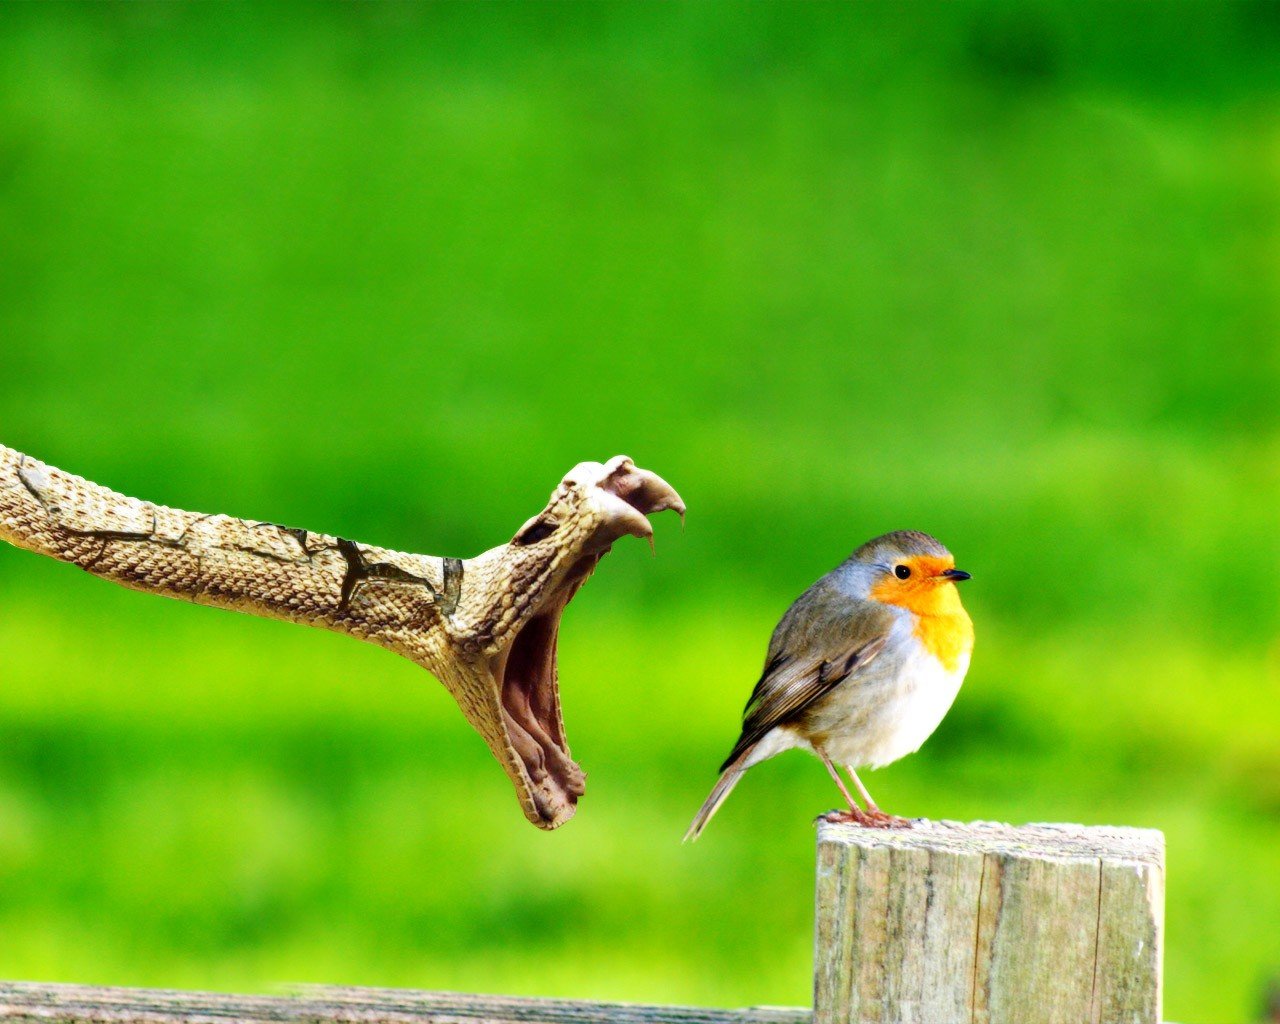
984, 923
70, 1004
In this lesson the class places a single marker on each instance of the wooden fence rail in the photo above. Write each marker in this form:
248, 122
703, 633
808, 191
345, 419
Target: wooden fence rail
73, 1004
942, 924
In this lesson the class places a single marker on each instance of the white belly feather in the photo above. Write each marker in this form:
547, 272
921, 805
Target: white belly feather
875, 719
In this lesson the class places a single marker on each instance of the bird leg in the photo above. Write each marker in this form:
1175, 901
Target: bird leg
872, 817
854, 814
881, 818
835, 775
862, 790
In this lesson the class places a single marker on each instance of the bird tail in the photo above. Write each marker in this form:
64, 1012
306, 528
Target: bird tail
719, 793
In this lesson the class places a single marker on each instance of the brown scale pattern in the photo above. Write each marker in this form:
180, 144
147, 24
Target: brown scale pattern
485, 627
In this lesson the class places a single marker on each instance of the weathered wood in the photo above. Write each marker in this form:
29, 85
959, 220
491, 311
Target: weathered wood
983, 923
945, 923
449, 1006
70, 1004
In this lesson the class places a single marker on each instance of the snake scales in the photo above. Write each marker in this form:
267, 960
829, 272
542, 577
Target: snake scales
486, 627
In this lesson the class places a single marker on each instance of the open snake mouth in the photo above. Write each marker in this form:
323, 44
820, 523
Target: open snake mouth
622, 496
487, 627
530, 693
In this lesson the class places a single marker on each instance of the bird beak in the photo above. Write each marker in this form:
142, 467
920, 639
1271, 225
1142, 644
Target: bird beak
954, 576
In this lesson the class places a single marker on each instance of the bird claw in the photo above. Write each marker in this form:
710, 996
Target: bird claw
875, 818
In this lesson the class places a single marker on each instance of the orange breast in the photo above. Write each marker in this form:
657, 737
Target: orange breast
942, 625
947, 637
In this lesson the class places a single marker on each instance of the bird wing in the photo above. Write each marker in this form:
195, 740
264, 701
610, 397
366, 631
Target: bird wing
823, 639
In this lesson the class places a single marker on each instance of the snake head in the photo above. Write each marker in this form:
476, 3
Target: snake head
513, 696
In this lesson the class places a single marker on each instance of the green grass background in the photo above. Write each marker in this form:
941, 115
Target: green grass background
1003, 273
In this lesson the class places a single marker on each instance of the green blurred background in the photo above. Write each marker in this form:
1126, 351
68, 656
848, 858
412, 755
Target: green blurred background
1007, 274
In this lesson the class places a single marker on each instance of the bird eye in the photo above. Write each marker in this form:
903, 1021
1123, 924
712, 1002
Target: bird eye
901, 571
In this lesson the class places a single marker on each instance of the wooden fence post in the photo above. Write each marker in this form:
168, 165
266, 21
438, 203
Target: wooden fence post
983, 923
942, 924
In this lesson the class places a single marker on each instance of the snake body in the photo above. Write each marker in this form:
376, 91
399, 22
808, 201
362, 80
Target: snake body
486, 627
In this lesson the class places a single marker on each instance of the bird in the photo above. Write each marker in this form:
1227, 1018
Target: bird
860, 670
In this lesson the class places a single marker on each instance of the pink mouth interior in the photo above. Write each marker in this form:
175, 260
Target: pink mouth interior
529, 684
527, 673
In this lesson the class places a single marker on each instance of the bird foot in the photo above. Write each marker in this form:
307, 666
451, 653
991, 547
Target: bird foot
873, 818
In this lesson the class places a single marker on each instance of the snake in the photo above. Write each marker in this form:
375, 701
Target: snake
486, 627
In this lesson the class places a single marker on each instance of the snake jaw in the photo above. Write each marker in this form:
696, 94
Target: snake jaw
595, 504
623, 495
487, 626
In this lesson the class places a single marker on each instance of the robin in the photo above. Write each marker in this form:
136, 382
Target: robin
860, 670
